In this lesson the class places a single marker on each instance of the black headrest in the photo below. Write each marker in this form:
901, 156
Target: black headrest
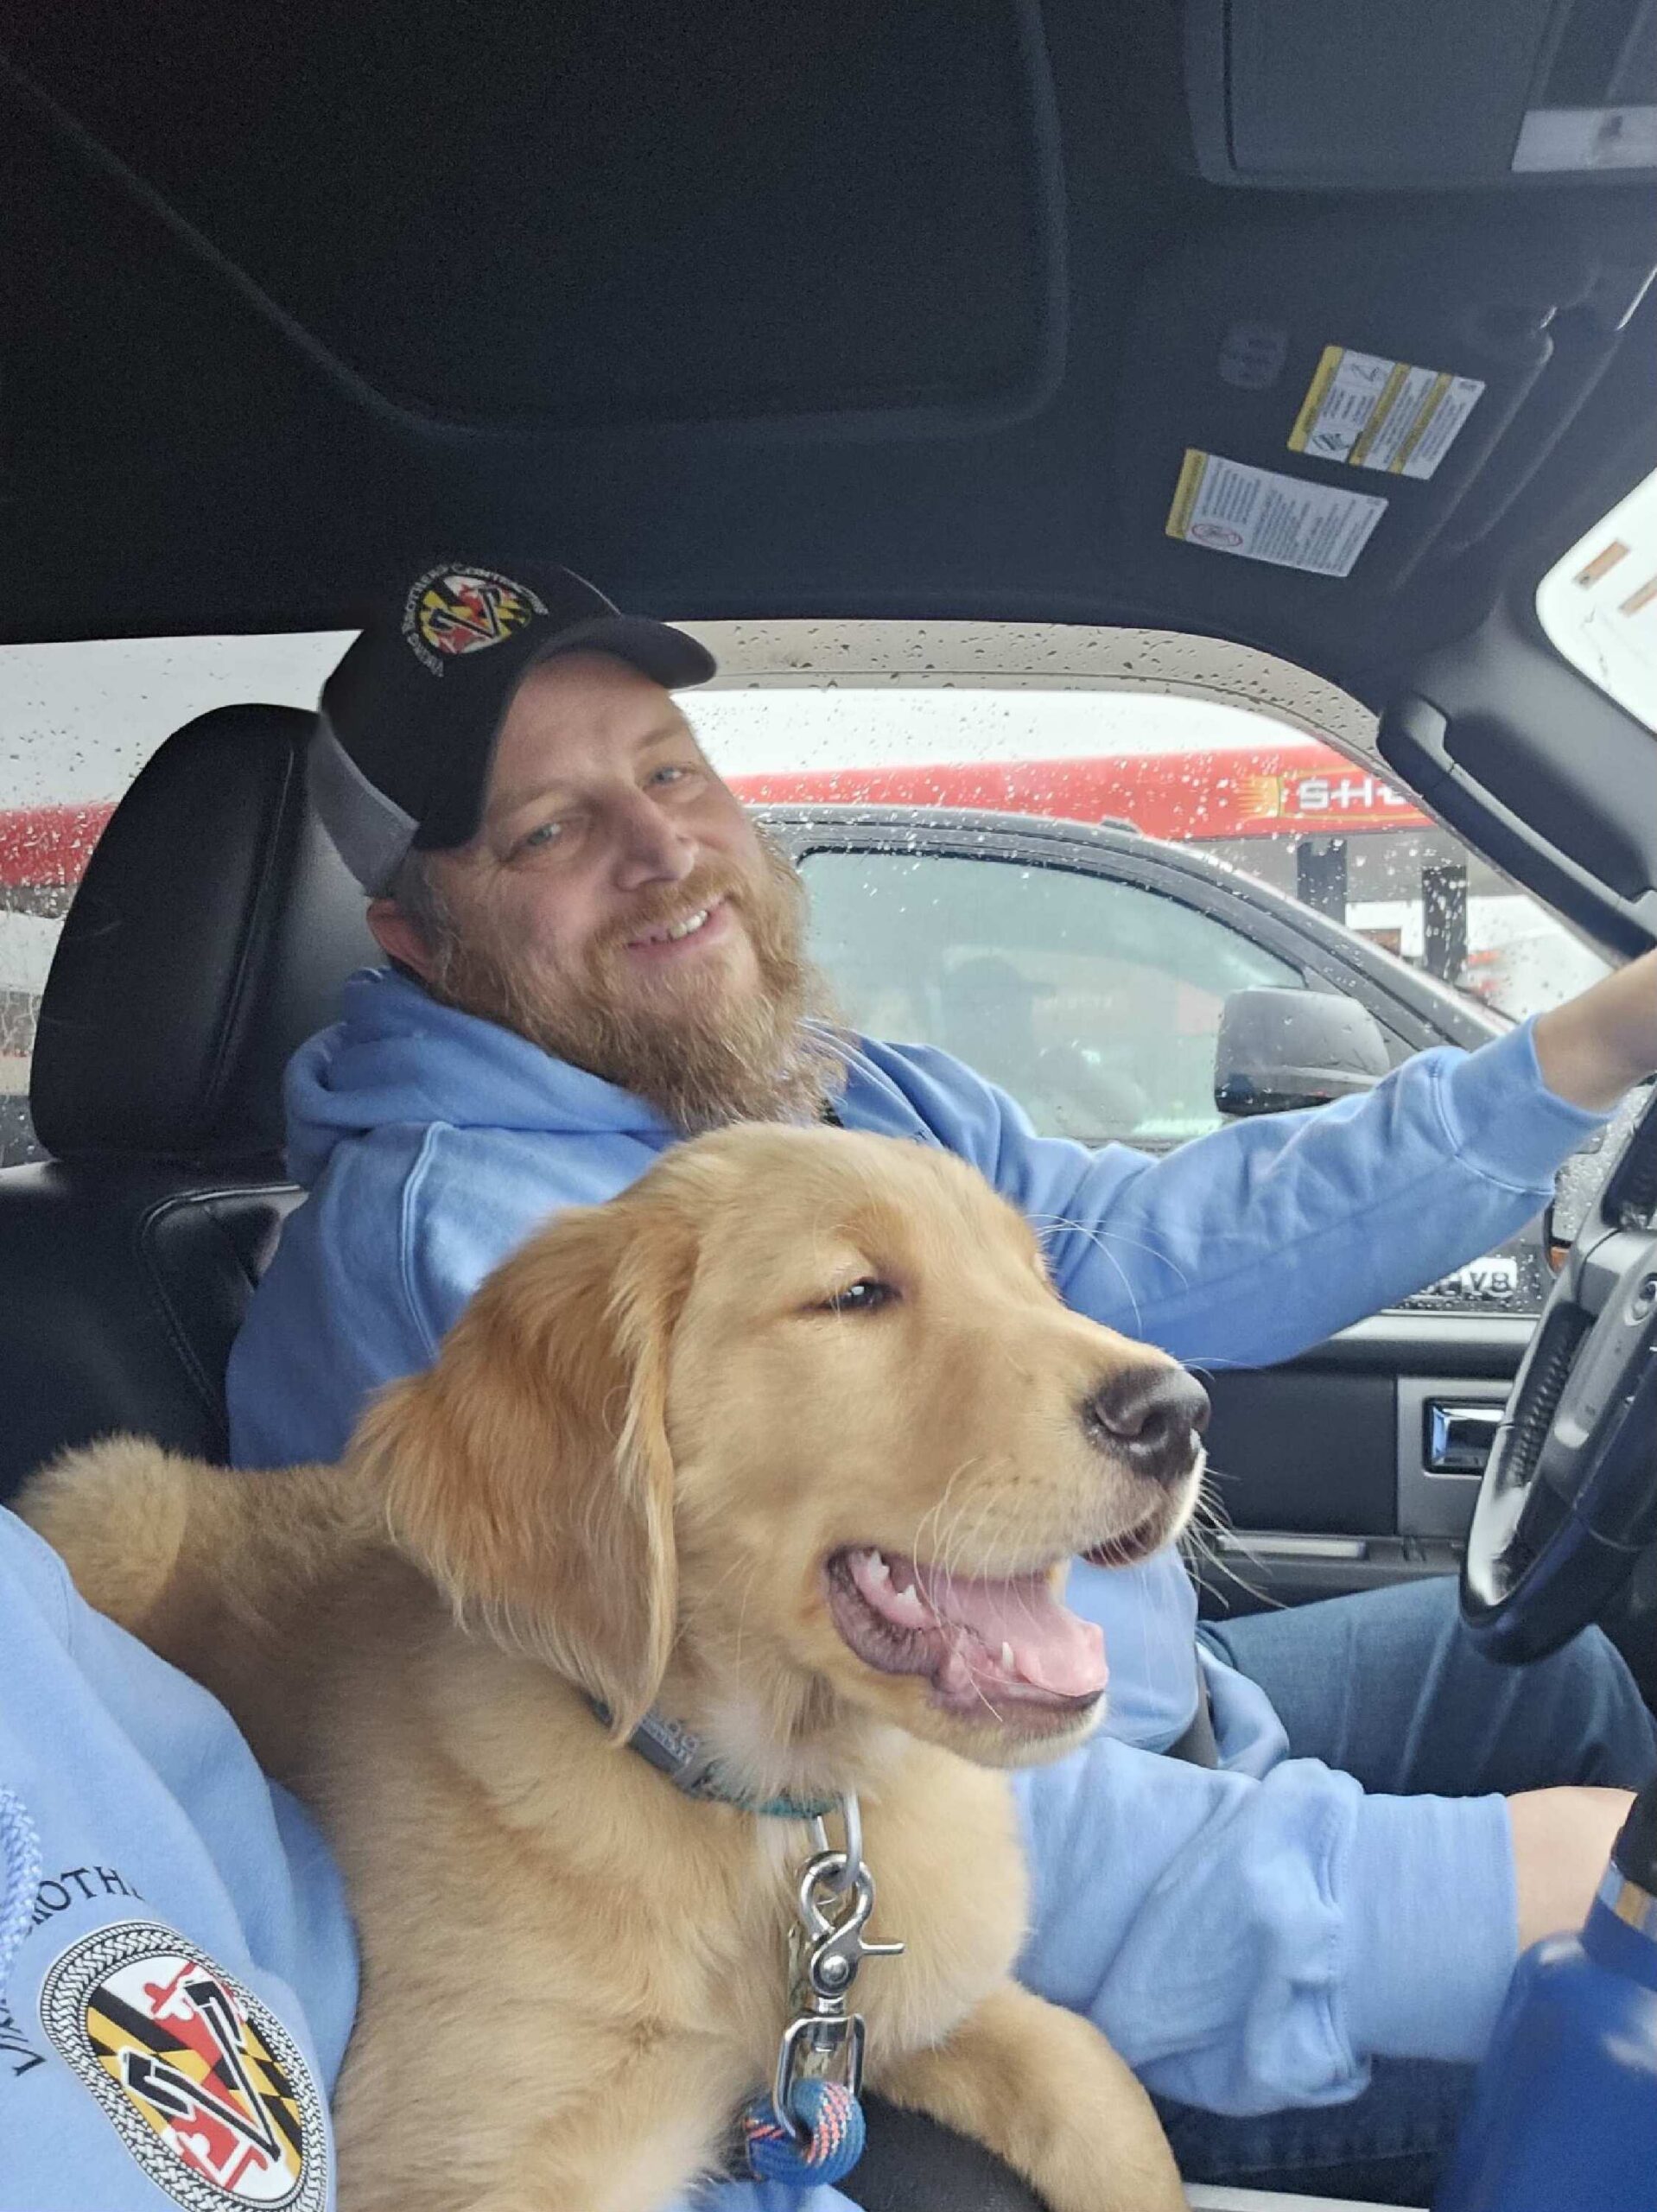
210, 935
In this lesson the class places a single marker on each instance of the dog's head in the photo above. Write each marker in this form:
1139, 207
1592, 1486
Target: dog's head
798, 1425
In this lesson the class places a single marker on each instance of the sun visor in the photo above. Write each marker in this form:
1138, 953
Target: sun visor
1339, 406
614, 211
1297, 93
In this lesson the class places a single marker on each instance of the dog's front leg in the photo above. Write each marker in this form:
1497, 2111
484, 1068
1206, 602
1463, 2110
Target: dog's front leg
1042, 2088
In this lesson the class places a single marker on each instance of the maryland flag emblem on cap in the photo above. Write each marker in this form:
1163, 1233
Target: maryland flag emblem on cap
453, 611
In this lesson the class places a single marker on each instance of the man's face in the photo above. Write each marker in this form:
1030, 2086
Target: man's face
617, 907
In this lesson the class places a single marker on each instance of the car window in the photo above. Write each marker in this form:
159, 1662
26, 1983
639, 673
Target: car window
1243, 787
1095, 1003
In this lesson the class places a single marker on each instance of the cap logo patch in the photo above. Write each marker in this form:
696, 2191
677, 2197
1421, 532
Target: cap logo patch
210, 2094
453, 612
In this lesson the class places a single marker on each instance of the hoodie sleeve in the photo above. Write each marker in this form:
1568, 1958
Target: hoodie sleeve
1252, 1944
1248, 1245
135, 1827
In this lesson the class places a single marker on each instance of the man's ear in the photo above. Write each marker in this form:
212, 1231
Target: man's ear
529, 1470
399, 937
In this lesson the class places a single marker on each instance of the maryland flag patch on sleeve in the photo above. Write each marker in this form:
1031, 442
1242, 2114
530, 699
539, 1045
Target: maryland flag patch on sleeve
205, 2087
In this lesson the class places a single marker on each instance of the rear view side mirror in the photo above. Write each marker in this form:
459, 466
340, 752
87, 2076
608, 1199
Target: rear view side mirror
1280, 1049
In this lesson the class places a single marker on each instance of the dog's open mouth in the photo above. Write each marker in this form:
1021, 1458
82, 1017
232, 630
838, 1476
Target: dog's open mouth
1007, 1646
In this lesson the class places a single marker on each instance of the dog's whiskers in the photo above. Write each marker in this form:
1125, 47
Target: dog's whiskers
1210, 1517
1096, 1237
1047, 1224
934, 1518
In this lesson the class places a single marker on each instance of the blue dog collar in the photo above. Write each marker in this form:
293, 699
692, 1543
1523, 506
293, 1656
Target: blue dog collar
674, 1751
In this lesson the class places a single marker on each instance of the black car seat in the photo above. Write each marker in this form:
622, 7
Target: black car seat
209, 936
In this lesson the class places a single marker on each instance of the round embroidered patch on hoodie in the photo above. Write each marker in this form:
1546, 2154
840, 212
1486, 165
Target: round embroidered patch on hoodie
205, 2087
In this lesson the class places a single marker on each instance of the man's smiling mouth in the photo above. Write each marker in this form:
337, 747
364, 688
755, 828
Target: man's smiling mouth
667, 934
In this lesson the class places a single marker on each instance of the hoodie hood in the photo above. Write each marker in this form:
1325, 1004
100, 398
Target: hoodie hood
396, 1057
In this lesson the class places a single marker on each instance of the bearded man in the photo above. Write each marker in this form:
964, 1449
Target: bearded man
593, 952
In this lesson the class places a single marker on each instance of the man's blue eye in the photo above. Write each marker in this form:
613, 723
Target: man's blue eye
548, 834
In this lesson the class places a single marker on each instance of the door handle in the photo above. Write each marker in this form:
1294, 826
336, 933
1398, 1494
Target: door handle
1459, 1437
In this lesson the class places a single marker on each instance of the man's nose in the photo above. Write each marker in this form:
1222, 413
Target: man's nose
650, 847
1150, 1417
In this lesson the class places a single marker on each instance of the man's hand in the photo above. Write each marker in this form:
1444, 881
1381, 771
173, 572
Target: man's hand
1597, 1047
1562, 1840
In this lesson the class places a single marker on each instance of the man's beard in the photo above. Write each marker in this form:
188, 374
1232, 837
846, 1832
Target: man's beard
702, 1052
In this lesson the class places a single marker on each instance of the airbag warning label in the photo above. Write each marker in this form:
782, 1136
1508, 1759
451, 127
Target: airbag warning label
1377, 413
1228, 507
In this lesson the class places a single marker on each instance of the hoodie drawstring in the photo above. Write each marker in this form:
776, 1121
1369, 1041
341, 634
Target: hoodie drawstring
20, 1877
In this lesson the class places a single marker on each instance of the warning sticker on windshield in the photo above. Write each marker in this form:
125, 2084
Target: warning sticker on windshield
1257, 514
1377, 413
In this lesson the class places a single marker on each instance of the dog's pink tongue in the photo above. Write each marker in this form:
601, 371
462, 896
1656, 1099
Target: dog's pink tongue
1051, 1647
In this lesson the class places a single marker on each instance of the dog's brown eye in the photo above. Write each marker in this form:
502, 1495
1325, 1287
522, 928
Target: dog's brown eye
867, 1295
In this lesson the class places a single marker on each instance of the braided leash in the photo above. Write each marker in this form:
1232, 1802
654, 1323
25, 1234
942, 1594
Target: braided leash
833, 2121
810, 2129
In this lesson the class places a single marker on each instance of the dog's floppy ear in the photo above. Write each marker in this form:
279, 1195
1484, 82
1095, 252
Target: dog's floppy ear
529, 1470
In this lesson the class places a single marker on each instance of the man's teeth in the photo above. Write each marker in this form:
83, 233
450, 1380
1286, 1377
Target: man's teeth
672, 931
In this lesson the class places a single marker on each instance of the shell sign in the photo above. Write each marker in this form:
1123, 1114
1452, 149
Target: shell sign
1293, 786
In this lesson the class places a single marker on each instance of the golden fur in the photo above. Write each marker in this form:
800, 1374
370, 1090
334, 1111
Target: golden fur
622, 1478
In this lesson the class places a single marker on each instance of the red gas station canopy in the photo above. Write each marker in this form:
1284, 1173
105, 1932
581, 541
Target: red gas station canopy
1295, 788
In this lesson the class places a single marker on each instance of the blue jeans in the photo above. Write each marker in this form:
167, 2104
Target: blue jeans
1387, 1687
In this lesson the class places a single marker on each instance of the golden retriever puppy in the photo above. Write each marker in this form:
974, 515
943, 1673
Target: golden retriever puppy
789, 1443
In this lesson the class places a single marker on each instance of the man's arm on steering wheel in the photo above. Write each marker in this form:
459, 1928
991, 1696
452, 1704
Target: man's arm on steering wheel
1246, 1246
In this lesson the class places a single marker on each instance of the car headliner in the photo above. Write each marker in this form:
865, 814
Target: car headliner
750, 310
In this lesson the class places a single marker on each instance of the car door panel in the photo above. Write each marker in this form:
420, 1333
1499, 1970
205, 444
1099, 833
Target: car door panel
1323, 1476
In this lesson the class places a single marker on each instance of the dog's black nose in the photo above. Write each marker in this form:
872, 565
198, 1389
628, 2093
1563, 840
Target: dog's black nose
1150, 1416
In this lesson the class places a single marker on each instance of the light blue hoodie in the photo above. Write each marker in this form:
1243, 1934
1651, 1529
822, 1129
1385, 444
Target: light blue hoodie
177, 1971
1248, 1937
178, 1974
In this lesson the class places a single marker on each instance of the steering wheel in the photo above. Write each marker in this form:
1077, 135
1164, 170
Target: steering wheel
1569, 1497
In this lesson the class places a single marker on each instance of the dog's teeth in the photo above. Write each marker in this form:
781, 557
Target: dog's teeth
878, 1569
1007, 1659
907, 1607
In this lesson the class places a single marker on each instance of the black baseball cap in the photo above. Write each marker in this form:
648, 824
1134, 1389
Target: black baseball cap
410, 719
